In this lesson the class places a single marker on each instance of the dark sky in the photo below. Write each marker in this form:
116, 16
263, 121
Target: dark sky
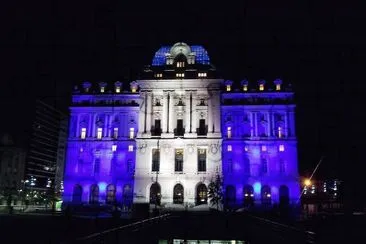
319, 48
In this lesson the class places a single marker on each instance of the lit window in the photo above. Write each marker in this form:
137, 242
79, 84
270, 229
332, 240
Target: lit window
245, 87
180, 64
264, 148
278, 87
280, 132
130, 148
102, 89
118, 89
180, 75
246, 148
202, 74
228, 87
115, 133
99, 133
281, 148
133, 89
133, 86
114, 148
229, 132
229, 148
132, 133
83, 133
159, 75
261, 87
81, 149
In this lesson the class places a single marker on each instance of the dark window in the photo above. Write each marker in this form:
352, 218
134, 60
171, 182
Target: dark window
201, 159
94, 194
180, 130
246, 165
155, 194
201, 197
157, 128
284, 196
129, 166
282, 166
266, 195
77, 194
97, 166
155, 160
202, 128
264, 166
229, 166
178, 160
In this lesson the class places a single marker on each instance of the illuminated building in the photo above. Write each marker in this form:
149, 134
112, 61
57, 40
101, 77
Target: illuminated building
164, 138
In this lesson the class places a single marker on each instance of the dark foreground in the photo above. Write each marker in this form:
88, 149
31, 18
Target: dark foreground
40, 228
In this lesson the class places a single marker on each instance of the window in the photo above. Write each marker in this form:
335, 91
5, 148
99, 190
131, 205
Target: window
97, 166
133, 89
201, 160
228, 87
130, 148
246, 148
264, 148
178, 194
202, 74
229, 132
115, 132
264, 166
155, 160
111, 194
229, 148
102, 89
202, 129
245, 87
83, 133
281, 148
129, 166
261, 87
179, 75
99, 133
157, 129
158, 75
230, 166
178, 160
278, 87
94, 194
132, 133
114, 148
180, 129
118, 89
180, 64
282, 166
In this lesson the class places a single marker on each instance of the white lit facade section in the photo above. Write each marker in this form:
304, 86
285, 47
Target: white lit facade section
99, 133
83, 133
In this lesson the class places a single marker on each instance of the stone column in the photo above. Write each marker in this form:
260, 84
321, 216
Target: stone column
217, 113
291, 118
274, 129
90, 126
110, 129
141, 117
148, 112
252, 124
209, 113
268, 124
165, 116
94, 125
188, 112
286, 130
194, 113
106, 125
255, 124
171, 112
77, 127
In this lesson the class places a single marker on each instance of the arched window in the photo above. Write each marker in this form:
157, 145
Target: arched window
180, 61
266, 195
284, 196
155, 194
94, 194
111, 194
77, 194
230, 195
248, 195
201, 194
178, 194
127, 195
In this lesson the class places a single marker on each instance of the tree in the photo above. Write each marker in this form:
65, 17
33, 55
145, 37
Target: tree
215, 193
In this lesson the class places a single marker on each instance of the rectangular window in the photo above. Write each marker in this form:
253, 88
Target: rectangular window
202, 128
229, 148
180, 130
245, 88
228, 87
155, 160
261, 87
230, 166
115, 132
178, 160
229, 132
130, 148
83, 133
278, 87
264, 166
114, 148
102, 89
129, 166
281, 148
132, 133
201, 160
264, 148
157, 130
97, 166
99, 133
282, 166
118, 89
280, 132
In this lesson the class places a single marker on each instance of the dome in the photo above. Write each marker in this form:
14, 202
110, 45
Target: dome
200, 53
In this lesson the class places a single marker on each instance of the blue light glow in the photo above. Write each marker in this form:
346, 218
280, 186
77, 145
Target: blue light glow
257, 187
201, 55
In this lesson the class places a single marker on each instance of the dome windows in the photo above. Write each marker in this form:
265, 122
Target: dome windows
202, 74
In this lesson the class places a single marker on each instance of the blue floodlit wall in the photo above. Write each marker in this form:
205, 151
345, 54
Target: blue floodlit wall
201, 55
261, 150
107, 163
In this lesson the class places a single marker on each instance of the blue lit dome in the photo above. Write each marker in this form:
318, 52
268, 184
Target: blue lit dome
198, 52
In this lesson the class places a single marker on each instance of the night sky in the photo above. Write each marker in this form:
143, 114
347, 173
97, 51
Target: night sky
319, 48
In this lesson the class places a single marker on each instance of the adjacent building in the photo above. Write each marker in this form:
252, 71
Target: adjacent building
164, 139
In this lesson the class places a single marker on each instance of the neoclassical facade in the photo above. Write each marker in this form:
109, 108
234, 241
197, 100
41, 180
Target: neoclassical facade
162, 139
